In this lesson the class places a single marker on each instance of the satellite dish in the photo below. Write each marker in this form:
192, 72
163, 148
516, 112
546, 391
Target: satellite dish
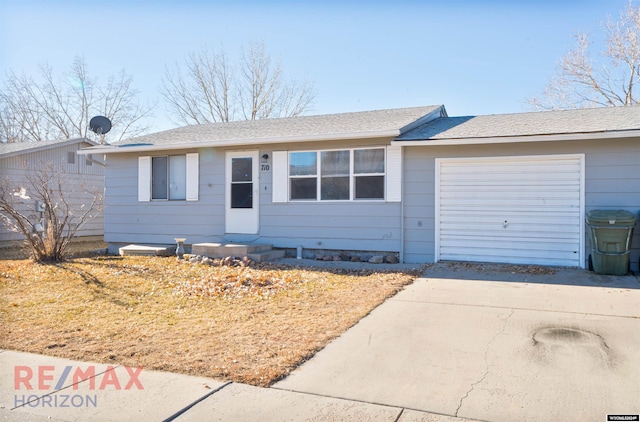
100, 125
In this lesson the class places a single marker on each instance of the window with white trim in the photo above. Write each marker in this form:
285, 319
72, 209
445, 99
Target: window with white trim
337, 175
168, 177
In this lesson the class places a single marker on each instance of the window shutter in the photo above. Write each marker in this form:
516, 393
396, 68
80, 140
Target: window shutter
280, 174
144, 179
394, 173
193, 171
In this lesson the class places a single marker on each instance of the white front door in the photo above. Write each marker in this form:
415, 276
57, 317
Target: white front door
242, 190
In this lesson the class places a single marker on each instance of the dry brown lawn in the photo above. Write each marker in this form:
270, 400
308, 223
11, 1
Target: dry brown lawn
250, 325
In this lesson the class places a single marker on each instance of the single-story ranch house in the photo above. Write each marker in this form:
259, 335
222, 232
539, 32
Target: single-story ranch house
510, 188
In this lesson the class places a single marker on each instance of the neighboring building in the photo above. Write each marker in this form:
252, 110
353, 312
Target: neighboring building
83, 173
508, 188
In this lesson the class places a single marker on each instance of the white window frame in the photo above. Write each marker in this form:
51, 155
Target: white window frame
145, 178
352, 175
168, 178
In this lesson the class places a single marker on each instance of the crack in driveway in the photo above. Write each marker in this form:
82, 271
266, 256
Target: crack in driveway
486, 363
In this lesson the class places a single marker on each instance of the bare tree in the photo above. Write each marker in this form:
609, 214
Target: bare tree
210, 89
609, 79
204, 94
50, 107
49, 230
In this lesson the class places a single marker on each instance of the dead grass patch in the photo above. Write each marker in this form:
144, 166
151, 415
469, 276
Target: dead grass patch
250, 325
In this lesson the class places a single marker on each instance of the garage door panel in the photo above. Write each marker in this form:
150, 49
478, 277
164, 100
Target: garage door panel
557, 179
529, 244
518, 167
508, 259
574, 212
514, 220
517, 210
497, 253
489, 198
520, 170
498, 183
524, 202
544, 240
489, 191
486, 231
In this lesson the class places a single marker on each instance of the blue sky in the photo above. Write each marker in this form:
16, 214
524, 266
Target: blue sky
475, 57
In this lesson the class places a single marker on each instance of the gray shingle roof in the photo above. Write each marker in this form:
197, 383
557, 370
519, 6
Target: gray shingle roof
592, 120
327, 126
15, 148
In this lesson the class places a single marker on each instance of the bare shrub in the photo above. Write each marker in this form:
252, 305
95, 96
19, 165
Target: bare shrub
49, 229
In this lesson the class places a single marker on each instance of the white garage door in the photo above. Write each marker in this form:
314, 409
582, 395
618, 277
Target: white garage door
520, 210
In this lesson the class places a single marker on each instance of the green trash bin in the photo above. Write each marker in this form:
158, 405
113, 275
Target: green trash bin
610, 233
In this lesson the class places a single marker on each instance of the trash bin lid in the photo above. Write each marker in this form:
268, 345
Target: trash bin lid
611, 217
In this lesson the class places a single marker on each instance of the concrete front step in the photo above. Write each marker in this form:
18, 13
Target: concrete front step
220, 250
147, 250
266, 255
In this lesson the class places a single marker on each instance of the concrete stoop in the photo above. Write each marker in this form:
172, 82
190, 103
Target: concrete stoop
256, 252
147, 250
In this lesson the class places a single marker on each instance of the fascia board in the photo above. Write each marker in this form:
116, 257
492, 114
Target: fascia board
521, 139
38, 148
240, 142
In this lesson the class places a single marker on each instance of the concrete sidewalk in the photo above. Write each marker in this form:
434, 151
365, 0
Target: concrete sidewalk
161, 396
467, 341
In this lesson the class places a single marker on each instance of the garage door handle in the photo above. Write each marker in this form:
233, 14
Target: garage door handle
505, 224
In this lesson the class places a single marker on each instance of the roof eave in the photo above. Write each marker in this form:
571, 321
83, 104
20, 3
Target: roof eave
521, 139
239, 142
38, 148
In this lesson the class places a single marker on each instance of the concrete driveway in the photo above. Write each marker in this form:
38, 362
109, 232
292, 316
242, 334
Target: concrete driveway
491, 343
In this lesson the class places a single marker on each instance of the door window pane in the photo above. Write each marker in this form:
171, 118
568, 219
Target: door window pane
241, 182
241, 169
159, 178
303, 163
178, 177
242, 195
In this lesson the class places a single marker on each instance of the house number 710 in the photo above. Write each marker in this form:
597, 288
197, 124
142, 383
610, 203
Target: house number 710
264, 167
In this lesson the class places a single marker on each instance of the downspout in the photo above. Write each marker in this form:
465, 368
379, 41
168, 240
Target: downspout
402, 172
